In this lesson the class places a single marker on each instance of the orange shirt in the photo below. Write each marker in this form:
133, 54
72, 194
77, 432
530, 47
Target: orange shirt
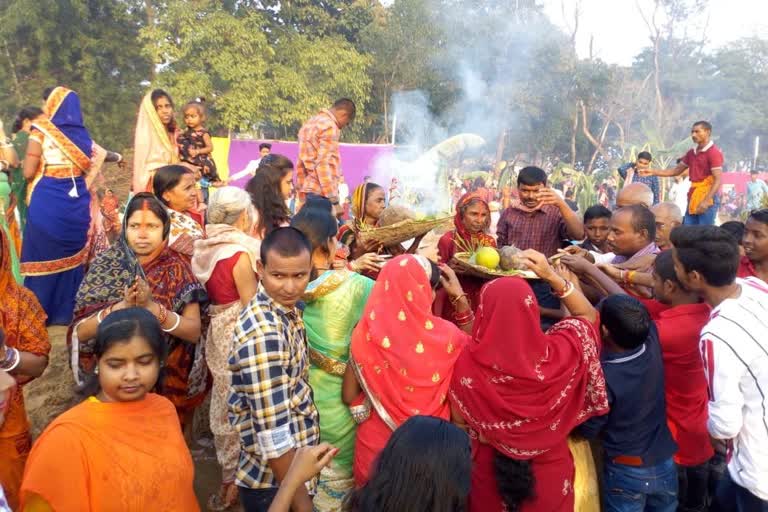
319, 165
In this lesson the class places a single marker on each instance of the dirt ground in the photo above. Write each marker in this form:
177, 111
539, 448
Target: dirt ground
54, 392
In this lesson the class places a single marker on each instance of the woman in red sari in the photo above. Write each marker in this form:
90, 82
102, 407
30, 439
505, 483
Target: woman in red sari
522, 394
472, 221
402, 355
174, 186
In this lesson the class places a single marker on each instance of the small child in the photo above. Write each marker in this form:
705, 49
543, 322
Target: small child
195, 147
639, 471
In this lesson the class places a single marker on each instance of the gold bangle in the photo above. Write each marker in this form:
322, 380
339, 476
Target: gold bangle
456, 299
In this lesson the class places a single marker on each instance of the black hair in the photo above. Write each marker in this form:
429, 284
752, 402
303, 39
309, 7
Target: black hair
736, 228
644, 155
321, 203
754, 171
266, 196
760, 215
425, 466
709, 250
277, 161
119, 327
318, 225
160, 93
151, 202
664, 266
347, 105
26, 114
531, 176
597, 211
569, 193
266, 145
704, 124
626, 319
514, 480
167, 178
288, 242
434, 275
47, 92
643, 219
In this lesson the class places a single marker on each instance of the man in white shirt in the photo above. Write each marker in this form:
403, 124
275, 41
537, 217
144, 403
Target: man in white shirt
734, 347
250, 169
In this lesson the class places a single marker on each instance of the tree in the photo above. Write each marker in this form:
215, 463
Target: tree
80, 44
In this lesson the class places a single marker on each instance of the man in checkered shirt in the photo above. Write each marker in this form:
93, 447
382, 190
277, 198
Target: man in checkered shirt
270, 401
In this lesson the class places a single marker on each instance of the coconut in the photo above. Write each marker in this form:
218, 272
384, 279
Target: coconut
510, 258
394, 214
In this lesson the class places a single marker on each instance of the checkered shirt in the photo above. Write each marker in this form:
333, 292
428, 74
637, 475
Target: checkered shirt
270, 400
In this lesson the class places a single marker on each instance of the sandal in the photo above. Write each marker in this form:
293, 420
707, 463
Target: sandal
226, 499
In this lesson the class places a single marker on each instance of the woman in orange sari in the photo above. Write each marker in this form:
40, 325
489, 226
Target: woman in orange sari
155, 139
402, 355
24, 351
122, 448
472, 222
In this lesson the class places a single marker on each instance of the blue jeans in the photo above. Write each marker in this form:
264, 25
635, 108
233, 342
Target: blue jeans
705, 219
256, 500
641, 488
733, 497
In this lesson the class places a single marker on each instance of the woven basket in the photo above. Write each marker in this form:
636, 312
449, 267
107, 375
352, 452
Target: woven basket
462, 264
401, 231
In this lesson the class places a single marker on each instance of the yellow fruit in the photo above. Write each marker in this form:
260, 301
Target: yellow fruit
488, 257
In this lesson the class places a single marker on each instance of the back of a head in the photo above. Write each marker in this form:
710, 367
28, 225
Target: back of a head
276, 161
227, 204
286, 242
635, 193
626, 319
531, 176
317, 224
26, 114
317, 202
425, 466
709, 250
668, 209
266, 195
597, 211
735, 228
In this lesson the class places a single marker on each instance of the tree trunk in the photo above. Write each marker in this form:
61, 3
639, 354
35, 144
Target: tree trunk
574, 129
12, 66
585, 129
500, 145
149, 9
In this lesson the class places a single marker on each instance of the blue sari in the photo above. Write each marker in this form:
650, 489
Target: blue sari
55, 243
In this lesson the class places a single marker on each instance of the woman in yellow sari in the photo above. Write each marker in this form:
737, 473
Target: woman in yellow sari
334, 300
155, 139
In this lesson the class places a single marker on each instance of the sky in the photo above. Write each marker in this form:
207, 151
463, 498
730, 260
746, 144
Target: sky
620, 33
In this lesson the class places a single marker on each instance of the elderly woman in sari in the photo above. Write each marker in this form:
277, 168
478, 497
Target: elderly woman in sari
174, 186
334, 304
55, 247
225, 263
402, 355
155, 139
140, 270
471, 224
24, 351
522, 395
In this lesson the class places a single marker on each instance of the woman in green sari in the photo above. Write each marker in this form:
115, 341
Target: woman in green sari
334, 302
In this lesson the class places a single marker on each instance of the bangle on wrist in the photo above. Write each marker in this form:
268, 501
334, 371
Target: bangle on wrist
457, 298
566, 291
175, 325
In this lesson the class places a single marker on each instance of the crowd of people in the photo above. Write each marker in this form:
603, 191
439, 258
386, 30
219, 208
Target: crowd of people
346, 375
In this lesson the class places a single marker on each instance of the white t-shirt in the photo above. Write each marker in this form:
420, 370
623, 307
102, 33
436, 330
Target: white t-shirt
734, 346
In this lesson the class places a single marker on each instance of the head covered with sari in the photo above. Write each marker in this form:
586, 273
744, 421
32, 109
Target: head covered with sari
63, 124
404, 354
169, 277
154, 145
463, 236
524, 390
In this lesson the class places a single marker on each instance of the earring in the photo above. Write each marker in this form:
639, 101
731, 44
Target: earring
96, 370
